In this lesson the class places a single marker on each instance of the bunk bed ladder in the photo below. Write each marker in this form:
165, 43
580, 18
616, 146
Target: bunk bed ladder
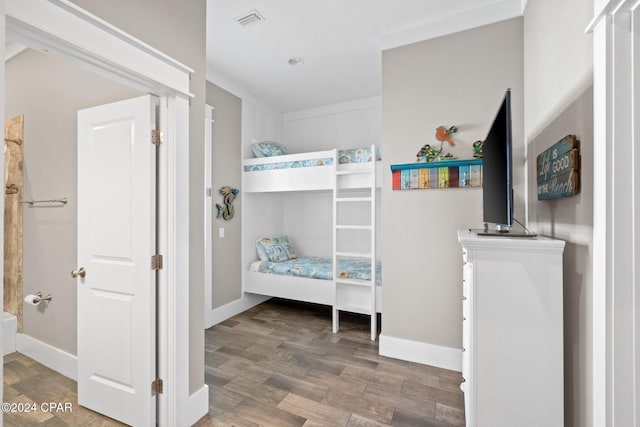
351, 295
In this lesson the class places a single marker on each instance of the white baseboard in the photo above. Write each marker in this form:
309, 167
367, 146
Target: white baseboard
198, 405
420, 352
220, 314
49, 356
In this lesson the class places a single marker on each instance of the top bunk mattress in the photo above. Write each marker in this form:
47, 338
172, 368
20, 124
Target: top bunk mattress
350, 155
307, 171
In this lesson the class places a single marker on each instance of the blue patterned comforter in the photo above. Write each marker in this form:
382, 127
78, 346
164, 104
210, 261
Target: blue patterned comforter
321, 268
352, 155
289, 165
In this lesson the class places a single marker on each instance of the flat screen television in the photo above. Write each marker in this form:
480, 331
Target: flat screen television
497, 175
497, 187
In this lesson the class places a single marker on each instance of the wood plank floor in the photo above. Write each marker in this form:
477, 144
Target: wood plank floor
279, 364
32, 385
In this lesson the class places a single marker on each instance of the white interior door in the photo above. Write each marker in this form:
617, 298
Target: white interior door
116, 239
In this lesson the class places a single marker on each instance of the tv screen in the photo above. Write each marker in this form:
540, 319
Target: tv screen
497, 192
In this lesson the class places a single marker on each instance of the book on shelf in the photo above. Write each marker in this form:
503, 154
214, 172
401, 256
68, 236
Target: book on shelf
405, 180
395, 180
463, 177
475, 172
413, 178
423, 178
443, 177
433, 178
454, 180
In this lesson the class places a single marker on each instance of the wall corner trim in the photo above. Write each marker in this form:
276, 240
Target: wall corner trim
47, 355
226, 311
198, 405
420, 352
462, 20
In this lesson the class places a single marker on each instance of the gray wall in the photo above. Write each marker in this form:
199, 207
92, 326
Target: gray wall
225, 170
49, 92
177, 28
558, 102
459, 80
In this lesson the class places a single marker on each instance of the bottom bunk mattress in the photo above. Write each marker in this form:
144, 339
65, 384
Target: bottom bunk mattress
319, 268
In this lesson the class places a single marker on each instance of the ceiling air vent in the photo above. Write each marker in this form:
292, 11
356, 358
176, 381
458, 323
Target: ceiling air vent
250, 18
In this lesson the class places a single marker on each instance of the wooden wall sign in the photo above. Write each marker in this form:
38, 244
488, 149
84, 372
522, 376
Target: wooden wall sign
558, 169
13, 181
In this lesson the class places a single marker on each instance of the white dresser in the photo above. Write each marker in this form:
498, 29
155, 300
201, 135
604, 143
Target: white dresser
512, 331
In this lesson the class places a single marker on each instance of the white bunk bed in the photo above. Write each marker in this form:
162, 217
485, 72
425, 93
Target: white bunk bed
302, 178
348, 183
305, 289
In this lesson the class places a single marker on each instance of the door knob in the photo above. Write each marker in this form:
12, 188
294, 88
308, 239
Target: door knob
80, 272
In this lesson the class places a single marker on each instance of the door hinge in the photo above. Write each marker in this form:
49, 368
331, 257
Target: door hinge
156, 137
156, 262
156, 387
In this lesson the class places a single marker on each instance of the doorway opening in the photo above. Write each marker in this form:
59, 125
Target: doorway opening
49, 91
121, 57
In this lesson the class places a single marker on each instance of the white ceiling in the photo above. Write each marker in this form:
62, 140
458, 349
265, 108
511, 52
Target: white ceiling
340, 41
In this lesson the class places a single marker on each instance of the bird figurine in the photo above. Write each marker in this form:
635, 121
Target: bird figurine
477, 149
428, 153
228, 196
422, 153
444, 134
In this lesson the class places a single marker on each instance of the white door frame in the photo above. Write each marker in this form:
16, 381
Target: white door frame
208, 213
62, 28
616, 218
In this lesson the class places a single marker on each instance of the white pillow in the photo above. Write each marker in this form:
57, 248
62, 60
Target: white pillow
268, 149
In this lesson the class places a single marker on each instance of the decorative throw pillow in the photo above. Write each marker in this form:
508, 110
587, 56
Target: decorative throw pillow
262, 254
268, 149
275, 249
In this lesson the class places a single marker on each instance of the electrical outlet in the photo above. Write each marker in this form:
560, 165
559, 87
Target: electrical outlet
221, 232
